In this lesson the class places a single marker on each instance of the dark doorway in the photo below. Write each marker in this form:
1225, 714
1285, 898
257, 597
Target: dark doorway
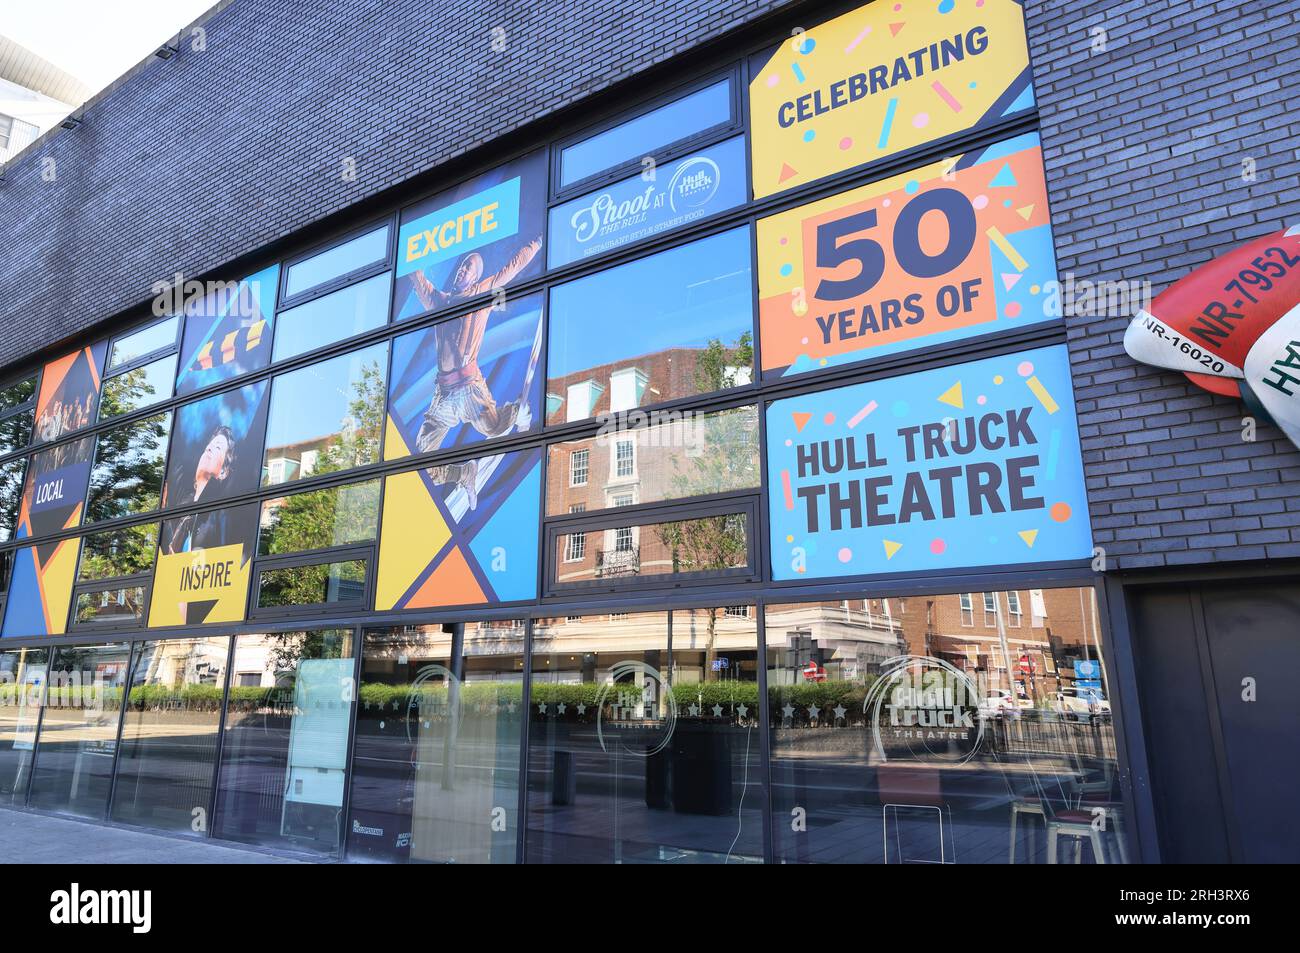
1215, 666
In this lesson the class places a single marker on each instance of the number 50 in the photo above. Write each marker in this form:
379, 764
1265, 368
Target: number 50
834, 247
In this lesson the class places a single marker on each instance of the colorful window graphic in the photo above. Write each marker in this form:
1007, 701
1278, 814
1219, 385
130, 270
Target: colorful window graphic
881, 80
955, 249
473, 239
217, 447
461, 533
69, 392
204, 563
972, 465
228, 330
683, 191
40, 588
465, 380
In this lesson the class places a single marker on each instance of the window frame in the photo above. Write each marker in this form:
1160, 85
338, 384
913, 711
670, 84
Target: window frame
163, 350
143, 579
366, 552
668, 152
641, 515
284, 301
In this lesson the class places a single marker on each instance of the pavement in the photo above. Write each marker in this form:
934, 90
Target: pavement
42, 839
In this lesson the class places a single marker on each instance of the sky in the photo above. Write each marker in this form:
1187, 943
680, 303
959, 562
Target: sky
94, 40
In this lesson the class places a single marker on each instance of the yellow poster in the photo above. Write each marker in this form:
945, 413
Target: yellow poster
204, 565
883, 79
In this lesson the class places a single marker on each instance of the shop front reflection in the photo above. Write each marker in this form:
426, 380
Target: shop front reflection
644, 739
962, 728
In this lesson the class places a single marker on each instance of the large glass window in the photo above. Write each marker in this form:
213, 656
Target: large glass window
154, 337
11, 496
614, 555
17, 414
435, 776
688, 455
648, 133
319, 519
341, 314
900, 735
337, 262
326, 417
675, 324
284, 758
169, 734
123, 557
138, 388
643, 742
129, 466
22, 680
78, 739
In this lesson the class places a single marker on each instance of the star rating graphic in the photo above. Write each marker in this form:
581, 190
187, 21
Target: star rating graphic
717, 711
694, 710
582, 708
743, 710
561, 708
788, 710
840, 712
813, 713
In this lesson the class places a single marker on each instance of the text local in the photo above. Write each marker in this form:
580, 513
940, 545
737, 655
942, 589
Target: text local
452, 232
880, 78
978, 487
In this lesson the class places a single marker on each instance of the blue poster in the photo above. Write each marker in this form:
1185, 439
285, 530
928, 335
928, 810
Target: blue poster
228, 330
967, 466
473, 239
690, 188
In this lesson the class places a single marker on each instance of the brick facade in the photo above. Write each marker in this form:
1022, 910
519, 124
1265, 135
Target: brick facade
1145, 143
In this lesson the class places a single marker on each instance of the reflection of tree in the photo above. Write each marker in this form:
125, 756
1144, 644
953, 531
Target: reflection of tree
129, 460
728, 460
287, 649
126, 392
123, 552
11, 493
324, 518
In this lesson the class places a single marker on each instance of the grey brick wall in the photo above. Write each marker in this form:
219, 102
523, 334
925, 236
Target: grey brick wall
210, 155
1144, 143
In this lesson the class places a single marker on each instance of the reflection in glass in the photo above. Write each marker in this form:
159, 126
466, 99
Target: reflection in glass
118, 552
11, 495
284, 759
169, 733
892, 717
16, 431
690, 455
319, 519
333, 317
326, 417
312, 584
684, 326
436, 767
17, 393
129, 465
121, 606
644, 744
138, 388
711, 545
74, 757
137, 344
647, 134
22, 677
336, 262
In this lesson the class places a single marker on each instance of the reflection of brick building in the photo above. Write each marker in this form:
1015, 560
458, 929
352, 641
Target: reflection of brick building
1046, 632
634, 382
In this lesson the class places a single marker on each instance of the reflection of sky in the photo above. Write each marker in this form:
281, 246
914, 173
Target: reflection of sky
336, 316
684, 297
312, 402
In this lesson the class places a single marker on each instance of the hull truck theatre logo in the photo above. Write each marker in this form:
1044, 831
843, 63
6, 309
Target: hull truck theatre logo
636, 712
1233, 327
923, 709
694, 183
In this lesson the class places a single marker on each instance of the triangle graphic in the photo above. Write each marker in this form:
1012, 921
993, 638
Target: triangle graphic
451, 584
952, 397
800, 420
1004, 179
1029, 535
891, 547
1292, 231
787, 172
1025, 212
1009, 280
895, 27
